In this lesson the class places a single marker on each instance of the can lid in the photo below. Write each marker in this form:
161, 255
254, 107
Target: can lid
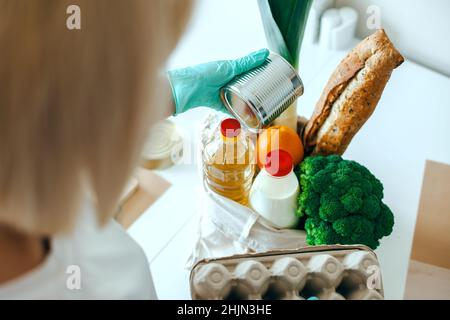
230, 128
240, 107
278, 163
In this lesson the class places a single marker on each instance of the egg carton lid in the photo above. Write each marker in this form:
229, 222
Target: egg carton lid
282, 253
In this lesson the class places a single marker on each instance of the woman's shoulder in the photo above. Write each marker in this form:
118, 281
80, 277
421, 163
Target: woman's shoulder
90, 263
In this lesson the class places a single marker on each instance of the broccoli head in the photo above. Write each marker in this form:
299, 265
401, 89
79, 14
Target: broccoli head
342, 202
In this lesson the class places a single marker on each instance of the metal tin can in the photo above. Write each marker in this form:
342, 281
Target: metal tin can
259, 96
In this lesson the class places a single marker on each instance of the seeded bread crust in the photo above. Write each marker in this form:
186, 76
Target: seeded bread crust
351, 95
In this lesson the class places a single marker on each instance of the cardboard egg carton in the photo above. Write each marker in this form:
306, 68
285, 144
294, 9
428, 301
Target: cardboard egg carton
335, 272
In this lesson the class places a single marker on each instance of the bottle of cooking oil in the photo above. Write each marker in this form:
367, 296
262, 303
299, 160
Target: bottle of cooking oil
228, 162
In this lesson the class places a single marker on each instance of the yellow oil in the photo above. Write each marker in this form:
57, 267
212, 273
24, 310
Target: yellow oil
229, 167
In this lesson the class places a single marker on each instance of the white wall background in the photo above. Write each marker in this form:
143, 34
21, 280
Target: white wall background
419, 28
220, 29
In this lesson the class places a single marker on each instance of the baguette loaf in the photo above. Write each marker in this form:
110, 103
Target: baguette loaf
351, 95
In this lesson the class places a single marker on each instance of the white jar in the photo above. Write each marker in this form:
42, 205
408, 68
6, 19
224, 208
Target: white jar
275, 190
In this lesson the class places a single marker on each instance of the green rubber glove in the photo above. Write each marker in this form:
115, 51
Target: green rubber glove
200, 85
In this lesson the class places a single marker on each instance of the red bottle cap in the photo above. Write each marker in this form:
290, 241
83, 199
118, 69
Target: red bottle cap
230, 128
278, 163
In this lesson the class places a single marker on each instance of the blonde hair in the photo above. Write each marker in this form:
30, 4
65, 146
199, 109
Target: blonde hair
76, 104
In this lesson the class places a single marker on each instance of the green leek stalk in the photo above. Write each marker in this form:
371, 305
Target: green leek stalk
284, 24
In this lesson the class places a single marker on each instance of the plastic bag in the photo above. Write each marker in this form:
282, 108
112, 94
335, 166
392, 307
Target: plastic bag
226, 228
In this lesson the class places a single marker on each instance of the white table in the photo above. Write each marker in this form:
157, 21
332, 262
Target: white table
409, 126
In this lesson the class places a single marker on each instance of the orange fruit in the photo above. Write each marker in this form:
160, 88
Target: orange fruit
279, 137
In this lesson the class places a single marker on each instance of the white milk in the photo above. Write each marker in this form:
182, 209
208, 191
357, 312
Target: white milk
275, 198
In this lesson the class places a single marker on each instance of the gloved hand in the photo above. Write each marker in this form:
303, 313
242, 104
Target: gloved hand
199, 85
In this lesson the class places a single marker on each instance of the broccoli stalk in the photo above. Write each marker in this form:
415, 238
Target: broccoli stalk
342, 202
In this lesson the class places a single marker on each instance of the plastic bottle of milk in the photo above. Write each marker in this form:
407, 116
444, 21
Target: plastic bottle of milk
274, 192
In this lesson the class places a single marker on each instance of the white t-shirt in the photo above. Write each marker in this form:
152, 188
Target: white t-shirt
91, 263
